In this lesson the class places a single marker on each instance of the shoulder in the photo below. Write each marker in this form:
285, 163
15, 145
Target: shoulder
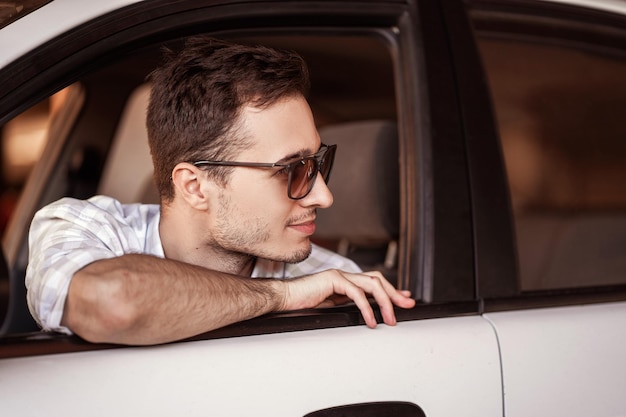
99, 221
98, 209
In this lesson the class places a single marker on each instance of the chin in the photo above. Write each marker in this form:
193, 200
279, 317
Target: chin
299, 255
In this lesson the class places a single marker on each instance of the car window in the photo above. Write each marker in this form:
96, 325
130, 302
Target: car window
363, 223
22, 141
103, 148
559, 96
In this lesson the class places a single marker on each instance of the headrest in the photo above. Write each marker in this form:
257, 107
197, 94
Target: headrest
364, 182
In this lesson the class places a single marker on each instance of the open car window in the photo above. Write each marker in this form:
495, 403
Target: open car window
102, 147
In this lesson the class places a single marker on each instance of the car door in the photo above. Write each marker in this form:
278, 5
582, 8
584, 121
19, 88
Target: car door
556, 74
441, 359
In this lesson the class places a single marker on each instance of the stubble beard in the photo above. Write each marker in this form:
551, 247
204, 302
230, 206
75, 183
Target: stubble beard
299, 256
246, 239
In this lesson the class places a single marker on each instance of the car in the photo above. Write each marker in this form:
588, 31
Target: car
481, 164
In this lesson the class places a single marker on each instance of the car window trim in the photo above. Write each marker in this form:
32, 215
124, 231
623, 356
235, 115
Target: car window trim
37, 344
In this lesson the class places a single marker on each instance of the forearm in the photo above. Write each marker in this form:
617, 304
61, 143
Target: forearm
140, 299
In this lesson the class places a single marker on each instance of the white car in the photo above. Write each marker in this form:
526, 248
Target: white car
481, 164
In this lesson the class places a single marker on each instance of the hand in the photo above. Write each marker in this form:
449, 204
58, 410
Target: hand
318, 289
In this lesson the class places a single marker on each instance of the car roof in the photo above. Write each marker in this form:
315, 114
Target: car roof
48, 21
58, 16
617, 6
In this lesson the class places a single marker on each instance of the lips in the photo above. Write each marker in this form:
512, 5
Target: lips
307, 228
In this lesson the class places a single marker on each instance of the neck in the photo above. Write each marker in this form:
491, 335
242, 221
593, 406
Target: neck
184, 239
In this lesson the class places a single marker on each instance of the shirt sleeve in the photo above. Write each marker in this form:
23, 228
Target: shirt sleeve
65, 237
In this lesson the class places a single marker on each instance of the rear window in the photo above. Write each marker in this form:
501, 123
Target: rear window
560, 99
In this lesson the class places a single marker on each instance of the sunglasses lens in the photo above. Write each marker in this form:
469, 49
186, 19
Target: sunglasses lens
327, 163
304, 172
303, 177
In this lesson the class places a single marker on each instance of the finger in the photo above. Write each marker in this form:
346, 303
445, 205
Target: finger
374, 285
356, 294
408, 301
383, 299
401, 298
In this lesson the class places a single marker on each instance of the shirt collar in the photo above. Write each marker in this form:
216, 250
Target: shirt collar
154, 246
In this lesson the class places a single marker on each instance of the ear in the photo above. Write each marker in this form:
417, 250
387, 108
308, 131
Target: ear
191, 185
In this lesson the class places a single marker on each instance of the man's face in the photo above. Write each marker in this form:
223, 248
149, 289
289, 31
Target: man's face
253, 214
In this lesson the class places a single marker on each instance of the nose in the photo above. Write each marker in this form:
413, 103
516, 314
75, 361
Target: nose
320, 195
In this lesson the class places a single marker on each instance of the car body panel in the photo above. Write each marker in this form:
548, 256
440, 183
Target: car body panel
573, 348
615, 6
445, 366
47, 22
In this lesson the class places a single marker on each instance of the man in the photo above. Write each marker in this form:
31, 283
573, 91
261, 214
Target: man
241, 172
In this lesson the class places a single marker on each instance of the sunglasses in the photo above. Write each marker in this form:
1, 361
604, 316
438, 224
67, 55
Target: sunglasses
302, 172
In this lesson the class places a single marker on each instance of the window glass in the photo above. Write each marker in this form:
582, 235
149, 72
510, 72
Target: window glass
560, 112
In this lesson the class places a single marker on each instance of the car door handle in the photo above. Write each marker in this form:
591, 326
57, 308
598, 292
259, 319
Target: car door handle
375, 409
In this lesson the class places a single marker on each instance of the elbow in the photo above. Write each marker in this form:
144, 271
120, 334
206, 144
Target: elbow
100, 310
111, 325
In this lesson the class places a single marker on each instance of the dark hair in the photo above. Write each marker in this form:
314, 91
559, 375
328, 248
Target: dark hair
197, 97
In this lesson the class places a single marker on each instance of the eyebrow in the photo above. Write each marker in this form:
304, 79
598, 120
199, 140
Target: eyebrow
299, 154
